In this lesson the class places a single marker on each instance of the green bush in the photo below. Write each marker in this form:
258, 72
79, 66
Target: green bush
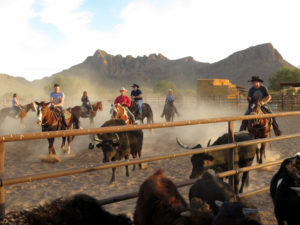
163, 87
283, 75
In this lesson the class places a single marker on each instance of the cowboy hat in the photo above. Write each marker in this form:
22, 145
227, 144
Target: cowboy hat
170, 90
123, 89
135, 85
255, 78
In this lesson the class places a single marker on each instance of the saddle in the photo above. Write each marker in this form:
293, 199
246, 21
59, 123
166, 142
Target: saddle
84, 109
57, 113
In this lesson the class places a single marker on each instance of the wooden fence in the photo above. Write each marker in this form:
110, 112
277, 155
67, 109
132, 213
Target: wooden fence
43, 135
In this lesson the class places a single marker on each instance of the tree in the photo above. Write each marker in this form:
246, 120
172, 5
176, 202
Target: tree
163, 86
284, 75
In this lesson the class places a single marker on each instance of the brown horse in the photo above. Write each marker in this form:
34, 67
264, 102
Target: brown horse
117, 111
260, 128
50, 120
11, 112
81, 111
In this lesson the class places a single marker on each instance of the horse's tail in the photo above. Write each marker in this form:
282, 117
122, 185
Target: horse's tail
150, 114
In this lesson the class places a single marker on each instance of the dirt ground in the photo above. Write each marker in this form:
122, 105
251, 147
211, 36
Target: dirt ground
24, 158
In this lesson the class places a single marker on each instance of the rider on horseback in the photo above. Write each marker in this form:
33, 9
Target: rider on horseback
169, 99
137, 97
258, 91
125, 102
15, 104
86, 102
57, 101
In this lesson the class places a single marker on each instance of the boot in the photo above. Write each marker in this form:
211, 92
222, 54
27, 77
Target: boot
277, 131
244, 125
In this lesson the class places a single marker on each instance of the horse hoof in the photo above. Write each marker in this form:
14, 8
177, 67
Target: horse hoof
51, 159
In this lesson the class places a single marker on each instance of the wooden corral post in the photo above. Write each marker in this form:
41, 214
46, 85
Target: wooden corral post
231, 151
2, 189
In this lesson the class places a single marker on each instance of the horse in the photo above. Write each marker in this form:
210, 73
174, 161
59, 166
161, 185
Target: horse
117, 111
81, 111
10, 111
51, 120
260, 128
169, 111
146, 112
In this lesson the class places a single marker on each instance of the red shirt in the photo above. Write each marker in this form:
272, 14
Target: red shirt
123, 100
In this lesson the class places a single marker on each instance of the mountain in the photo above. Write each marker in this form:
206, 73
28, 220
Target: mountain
111, 71
261, 60
106, 70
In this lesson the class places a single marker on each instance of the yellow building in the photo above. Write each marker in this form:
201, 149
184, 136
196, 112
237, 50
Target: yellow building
216, 88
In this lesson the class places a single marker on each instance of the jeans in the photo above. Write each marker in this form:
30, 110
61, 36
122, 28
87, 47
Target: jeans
88, 106
62, 115
140, 103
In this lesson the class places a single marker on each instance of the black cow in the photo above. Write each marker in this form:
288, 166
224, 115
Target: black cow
211, 188
285, 192
118, 146
237, 213
218, 160
79, 209
159, 203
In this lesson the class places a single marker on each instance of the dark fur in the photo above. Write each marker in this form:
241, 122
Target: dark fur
231, 213
210, 188
219, 159
169, 111
159, 203
80, 209
286, 201
146, 112
130, 142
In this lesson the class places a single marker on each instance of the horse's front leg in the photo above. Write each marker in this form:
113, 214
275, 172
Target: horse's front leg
127, 171
262, 152
113, 175
63, 143
51, 146
69, 144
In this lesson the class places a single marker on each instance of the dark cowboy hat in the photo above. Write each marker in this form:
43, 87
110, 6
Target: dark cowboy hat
135, 85
255, 78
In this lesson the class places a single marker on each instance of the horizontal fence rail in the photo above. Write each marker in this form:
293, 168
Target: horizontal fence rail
53, 134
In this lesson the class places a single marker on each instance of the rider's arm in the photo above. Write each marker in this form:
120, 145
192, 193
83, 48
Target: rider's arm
61, 102
266, 99
126, 102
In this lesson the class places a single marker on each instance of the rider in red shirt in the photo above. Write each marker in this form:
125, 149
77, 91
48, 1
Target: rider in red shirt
125, 102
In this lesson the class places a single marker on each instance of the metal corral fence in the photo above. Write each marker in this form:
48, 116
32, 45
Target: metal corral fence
232, 145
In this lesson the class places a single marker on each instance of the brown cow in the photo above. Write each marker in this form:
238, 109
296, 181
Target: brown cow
159, 203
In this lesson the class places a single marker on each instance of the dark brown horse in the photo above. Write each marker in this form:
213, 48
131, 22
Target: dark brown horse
50, 120
11, 112
81, 111
169, 111
146, 112
260, 128
117, 111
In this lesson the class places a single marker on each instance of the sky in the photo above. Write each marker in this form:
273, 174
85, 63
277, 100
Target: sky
41, 37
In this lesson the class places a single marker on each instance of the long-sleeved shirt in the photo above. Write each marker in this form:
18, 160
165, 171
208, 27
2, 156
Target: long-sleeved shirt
169, 98
123, 100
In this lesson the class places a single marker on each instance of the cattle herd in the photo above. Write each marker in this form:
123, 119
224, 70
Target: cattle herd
211, 200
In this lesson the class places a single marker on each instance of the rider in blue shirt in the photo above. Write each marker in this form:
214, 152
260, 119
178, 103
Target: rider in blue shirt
136, 96
170, 99
57, 101
15, 104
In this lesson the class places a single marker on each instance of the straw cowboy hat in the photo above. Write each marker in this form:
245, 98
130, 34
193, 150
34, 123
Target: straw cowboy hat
255, 78
170, 90
135, 85
123, 89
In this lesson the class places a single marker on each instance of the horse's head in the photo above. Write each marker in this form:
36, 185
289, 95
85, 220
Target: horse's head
117, 111
42, 110
32, 106
99, 105
255, 109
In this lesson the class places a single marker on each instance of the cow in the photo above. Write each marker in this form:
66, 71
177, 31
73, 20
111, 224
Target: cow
285, 191
210, 188
159, 203
218, 160
236, 213
80, 209
118, 146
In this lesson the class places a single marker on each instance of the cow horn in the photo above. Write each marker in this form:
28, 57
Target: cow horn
208, 143
295, 188
186, 213
116, 138
247, 211
187, 146
219, 203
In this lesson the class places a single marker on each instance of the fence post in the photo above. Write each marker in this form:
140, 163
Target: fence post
231, 151
2, 189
